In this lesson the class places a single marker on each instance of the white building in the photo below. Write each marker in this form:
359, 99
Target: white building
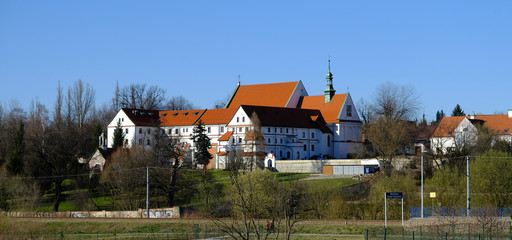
294, 125
458, 132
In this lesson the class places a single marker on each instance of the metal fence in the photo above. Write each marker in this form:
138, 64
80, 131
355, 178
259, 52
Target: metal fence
445, 231
458, 212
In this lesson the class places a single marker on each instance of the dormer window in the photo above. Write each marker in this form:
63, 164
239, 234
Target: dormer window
185, 113
195, 113
506, 130
175, 114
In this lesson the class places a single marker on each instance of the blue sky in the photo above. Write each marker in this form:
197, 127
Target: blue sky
451, 52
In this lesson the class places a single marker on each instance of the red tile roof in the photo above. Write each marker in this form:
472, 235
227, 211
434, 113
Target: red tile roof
330, 111
498, 124
225, 136
271, 94
180, 118
218, 116
446, 126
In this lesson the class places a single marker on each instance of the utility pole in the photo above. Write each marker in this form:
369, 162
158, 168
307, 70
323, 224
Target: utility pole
469, 199
422, 216
147, 191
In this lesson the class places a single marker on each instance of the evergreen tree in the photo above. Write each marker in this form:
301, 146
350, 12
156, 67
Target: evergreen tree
439, 115
98, 130
202, 144
15, 165
423, 121
118, 137
457, 111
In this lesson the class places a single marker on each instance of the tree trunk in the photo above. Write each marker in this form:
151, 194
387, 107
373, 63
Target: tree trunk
170, 195
56, 200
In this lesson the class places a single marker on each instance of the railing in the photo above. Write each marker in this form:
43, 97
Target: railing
460, 212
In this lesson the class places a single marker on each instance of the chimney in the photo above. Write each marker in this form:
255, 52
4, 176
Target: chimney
510, 113
472, 116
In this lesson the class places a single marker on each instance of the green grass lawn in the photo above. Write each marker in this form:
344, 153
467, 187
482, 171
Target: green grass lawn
332, 184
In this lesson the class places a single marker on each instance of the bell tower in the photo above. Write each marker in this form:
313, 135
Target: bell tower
329, 89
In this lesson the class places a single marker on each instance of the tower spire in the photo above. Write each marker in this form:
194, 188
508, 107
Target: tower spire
329, 89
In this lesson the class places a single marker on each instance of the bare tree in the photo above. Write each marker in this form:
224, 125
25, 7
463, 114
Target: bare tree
82, 99
221, 103
140, 97
397, 101
115, 99
393, 106
257, 198
179, 103
365, 110
58, 105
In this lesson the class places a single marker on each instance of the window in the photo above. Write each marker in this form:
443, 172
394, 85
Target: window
280, 153
275, 140
328, 140
268, 130
305, 147
185, 113
287, 130
209, 129
239, 129
312, 135
268, 140
303, 134
233, 140
237, 119
312, 147
140, 130
239, 140
221, 129
288, 155
140, 141
176, 131
148, 141
126, 130
243, 119
246, 129
281, 140
280, 130
149, 131
349, 110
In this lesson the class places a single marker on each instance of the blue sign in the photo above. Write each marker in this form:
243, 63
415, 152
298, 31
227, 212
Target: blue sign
394, 195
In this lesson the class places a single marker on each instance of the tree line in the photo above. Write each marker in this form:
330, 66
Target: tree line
44, 147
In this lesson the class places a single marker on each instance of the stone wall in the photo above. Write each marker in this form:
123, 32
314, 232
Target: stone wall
315, 166
141, 213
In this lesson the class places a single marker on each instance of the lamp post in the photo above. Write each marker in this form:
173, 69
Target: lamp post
422, 190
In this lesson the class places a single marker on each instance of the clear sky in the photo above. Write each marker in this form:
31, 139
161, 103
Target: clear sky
451, 52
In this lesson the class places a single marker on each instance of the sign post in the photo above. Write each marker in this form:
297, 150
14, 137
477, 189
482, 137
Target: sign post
432, 196
392, 195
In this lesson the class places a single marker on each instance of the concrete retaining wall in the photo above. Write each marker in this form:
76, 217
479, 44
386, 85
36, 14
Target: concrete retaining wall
141, 213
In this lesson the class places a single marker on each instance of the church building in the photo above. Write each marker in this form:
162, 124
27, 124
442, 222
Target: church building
291, 124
